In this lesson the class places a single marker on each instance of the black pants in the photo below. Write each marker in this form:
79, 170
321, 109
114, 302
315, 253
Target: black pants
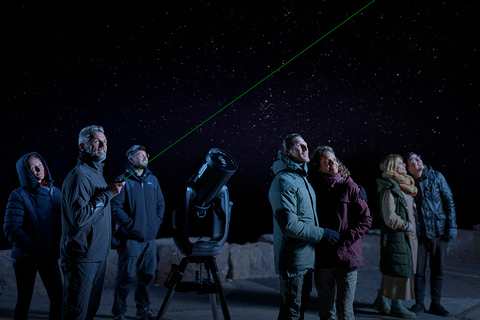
25, 275
433, 250
136, 260
82, 289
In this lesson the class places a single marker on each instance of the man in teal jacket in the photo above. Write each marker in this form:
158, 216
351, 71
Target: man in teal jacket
295, 226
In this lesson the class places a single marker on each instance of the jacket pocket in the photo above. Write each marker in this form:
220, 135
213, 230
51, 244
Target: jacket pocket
77, 242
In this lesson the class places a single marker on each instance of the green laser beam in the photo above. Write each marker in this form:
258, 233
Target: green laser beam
254, 86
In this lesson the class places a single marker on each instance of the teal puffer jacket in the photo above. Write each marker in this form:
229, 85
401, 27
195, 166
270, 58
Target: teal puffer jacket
295, 222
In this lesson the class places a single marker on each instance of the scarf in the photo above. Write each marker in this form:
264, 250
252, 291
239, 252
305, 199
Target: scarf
406, 182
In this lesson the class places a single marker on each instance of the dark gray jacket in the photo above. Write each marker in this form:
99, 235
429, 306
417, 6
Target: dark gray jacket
435, 202
86, 215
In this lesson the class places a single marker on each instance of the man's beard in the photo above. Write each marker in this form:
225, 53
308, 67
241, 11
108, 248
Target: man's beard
94, 156
141, 166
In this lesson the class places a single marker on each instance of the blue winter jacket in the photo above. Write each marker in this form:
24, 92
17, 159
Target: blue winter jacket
32, 222
436, 206
138, 209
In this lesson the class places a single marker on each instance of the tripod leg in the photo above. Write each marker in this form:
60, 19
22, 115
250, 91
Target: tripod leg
165, 303
176, 277
214, 269
213, 301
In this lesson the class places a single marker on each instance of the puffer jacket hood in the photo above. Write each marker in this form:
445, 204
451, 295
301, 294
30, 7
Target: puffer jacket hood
283, 162
26, 177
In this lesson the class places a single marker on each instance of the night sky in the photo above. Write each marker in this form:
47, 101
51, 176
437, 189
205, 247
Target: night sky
399, 76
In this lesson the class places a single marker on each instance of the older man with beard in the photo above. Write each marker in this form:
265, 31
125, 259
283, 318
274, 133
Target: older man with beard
86, 226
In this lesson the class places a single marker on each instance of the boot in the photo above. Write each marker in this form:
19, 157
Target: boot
398, 310
381, 304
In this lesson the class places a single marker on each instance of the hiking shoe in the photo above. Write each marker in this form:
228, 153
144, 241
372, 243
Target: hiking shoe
398, 310
381, 304
417, 308
145, 314
438, 310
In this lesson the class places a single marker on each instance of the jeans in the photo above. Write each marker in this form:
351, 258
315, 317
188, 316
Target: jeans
434, 249
82, 289
135, 258
344, 283
25, 275
295, 295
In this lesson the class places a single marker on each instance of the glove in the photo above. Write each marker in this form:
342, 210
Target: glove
451, 234
330, 235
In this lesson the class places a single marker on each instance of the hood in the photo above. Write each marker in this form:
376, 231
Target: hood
26, 177
284, 163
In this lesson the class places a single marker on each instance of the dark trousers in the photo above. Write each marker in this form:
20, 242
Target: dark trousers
295, 295
432, 250
134, 259
25, 275
82, 289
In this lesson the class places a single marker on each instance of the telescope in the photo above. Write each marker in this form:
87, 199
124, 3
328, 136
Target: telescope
206, 207
204, 212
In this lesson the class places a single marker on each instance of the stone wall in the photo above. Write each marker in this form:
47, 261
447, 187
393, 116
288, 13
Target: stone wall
250, 260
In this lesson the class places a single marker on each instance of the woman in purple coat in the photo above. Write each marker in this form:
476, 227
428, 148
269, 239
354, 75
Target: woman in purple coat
340, 208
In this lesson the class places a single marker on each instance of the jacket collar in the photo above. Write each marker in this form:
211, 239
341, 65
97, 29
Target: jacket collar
283, 163
131, 172
84, 158
332, 179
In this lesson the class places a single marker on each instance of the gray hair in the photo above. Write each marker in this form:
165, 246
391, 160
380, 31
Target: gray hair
87, 132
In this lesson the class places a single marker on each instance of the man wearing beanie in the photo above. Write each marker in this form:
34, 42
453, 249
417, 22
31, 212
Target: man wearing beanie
138, 213
436, 226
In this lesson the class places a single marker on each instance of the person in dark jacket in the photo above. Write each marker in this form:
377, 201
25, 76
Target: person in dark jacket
339, 208
86, 226
33, 227
398, 239
138, 212
296, 229
436, 227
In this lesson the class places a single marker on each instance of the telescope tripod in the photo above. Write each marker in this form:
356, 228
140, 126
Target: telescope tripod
211, 286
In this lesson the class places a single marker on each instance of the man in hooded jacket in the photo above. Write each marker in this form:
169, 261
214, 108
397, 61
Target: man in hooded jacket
296, 229
33, 227
138, 212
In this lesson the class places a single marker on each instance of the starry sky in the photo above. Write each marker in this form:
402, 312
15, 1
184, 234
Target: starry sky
398, 76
